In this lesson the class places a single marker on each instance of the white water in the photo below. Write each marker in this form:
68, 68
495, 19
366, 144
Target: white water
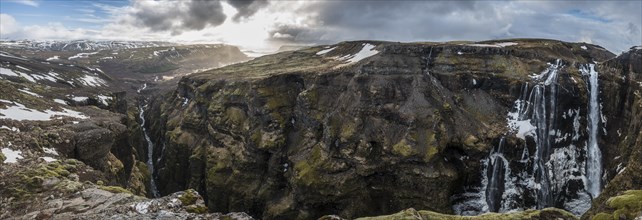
150, 150
501, 192
539, 109
564, 170
594, 156
498, 192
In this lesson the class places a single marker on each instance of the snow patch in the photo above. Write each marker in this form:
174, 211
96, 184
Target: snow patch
8, 72
522, 127
23, 68
30, 93
584, 47
81, 55
103, 99
48, 159
50, 151
53, 58
12, 155
19, 112
79, 98
60, 101
14, 129
142, 207
325, 51
92, 81
366, 51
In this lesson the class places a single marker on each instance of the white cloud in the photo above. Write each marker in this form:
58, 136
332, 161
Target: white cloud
26, 2
8, 25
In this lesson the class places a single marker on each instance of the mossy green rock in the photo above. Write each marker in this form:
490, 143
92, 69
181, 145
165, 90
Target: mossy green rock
625, 206
544, 214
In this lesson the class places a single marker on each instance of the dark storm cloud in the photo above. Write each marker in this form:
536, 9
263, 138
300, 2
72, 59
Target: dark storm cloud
615, 25
246, 8
185, 15
381, 20
202, 13
178, 16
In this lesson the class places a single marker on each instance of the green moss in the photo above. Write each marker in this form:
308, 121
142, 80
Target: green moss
402, 148
115, 189
189, 197
471, 140
548, 213
306, 170
602, 216
447, 107
628, 204
31, 179
347, 130
431, 152
235, 115
2, 157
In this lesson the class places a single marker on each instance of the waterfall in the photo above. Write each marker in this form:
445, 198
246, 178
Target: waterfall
497, 193
594, 156
501, 191
535, 117
150, 148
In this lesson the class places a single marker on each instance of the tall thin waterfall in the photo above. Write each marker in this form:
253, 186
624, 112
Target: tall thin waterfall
594, 160
150, 149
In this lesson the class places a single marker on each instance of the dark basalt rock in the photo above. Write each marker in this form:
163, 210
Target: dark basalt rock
300, 135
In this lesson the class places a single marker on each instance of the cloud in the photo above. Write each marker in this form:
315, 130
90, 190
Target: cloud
8, 25
25, 2
190, 15
246, 8
175, 16
613, 25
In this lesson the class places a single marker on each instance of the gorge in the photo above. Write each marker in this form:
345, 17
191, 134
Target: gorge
524, 127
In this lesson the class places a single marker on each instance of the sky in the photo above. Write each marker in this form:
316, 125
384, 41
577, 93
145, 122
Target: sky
264, 25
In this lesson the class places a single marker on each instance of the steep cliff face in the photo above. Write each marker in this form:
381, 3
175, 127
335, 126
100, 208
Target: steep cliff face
622, 109
368, 128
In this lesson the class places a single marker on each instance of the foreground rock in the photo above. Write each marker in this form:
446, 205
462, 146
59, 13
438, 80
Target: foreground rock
112, 203
544, 214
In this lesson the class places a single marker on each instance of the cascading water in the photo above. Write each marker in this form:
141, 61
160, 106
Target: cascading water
498, 191
150, 148
556, 173
594, 156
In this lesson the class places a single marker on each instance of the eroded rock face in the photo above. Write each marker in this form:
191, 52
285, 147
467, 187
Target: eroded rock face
306, 133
